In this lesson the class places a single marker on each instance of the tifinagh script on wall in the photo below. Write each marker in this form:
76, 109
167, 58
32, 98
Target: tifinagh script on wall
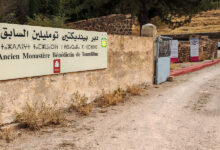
27, 51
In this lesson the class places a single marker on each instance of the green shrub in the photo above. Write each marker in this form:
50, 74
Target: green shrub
40, 20
9, 18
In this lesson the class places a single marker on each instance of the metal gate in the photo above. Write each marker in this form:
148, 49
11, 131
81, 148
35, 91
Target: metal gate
162, 59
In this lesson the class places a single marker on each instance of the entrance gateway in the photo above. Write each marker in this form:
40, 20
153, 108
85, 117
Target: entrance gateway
162, 70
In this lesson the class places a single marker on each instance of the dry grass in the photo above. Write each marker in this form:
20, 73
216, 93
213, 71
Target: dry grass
109, 99
38, 115
80, 104
118, 96
7, 134
204, 22
174, 66
134, 90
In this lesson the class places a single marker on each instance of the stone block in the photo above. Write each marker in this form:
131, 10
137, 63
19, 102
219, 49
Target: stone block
149, 30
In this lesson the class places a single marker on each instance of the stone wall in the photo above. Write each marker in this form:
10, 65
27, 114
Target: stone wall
206, 49
184, 51
113, 24
217, 40
130, 62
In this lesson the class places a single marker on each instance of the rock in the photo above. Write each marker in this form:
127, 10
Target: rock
171, 78
149, 30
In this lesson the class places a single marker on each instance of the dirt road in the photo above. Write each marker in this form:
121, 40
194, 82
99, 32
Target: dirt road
179, 115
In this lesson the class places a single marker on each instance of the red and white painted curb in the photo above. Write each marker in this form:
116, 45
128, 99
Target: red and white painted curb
186, 70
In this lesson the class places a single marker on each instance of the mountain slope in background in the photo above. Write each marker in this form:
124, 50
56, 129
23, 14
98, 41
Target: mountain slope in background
204, 22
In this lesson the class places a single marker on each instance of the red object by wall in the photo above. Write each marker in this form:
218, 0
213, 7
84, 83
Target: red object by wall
175, 60
194, 59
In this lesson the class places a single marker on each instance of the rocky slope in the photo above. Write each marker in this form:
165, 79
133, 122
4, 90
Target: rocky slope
204, 22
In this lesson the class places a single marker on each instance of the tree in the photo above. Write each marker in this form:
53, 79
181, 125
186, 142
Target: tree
14, 11
45, 7
34, 7
167, 10
85, 9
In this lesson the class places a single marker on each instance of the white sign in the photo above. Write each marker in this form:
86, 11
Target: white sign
27, 51
194, 47
174, 48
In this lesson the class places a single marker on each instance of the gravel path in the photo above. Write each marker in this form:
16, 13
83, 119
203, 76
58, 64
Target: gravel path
179, 115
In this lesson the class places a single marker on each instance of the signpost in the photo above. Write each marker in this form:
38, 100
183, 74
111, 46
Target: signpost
218, 51
27, 51
194, 50
174, 50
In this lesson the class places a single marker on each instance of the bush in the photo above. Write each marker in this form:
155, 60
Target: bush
80, 104
39, 115
114, 98
134, 90
40, 20
9, 18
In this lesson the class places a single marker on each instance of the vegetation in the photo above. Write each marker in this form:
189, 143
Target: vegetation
109, 98
40, 20
39, 115
45, 7
203, 22
80, 104
74, 10
134, 90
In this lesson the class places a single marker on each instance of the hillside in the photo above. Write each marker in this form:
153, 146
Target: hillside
204, 22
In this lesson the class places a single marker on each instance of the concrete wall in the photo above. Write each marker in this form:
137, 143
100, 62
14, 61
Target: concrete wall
130, 61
